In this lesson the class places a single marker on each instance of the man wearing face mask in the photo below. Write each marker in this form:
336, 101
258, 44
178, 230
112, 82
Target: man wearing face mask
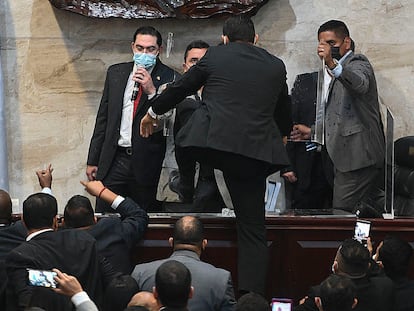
118, 156
354, 137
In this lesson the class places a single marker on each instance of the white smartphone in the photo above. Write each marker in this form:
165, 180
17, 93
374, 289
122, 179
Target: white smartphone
362, 229
282, 304
43, 278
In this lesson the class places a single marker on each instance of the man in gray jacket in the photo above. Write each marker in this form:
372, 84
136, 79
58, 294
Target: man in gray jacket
213, 288
354, 137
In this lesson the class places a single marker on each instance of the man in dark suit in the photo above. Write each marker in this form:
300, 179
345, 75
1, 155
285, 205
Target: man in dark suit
115, 236
309, 181
206, 195
373, 293
354, 137
73, 251
173, 286
238, 129
126, 163
214, 288
394, 256
11, 236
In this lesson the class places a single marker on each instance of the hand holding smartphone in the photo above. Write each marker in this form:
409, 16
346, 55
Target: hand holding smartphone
362, 230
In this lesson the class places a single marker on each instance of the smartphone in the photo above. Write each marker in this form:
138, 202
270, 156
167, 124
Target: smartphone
44, 278
282, 304
362, 228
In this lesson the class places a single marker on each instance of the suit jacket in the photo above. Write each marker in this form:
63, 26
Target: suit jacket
245, 108
353, 125
303, 99
148, 153
115, 236
71, 251
213, 288
373, 293
10, 237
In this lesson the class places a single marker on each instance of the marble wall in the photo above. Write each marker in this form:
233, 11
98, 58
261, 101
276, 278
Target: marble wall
54, 65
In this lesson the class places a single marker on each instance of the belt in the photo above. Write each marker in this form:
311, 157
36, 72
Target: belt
126, 150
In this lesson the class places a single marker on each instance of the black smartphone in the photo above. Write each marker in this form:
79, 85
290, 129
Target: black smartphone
282, 304
362, 228
43, 278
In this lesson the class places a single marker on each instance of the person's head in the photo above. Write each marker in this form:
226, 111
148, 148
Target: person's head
173, 284
146, 40
145, 299
119, 292
193, 53
239, 28
78, 212
337, 293
188, 234
40, 212
5, 207
336, 34
252, 302
352, 259
395, 256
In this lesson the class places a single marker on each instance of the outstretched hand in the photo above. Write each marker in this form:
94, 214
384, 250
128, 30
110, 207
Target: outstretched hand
93, 187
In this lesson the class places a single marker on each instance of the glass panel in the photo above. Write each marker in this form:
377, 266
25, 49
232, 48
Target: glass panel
318, 135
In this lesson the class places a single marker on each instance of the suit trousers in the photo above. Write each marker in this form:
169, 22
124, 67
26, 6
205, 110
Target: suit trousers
246, 181
120, 179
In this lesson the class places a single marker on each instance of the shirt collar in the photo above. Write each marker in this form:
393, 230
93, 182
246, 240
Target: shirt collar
345, 56
32, 235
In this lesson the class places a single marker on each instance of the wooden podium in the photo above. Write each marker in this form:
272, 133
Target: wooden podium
301, 248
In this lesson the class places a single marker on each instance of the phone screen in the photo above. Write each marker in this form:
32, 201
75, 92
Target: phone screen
42, 278
281, 304
362, 228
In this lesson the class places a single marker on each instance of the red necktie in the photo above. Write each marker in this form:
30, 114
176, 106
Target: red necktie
136, 101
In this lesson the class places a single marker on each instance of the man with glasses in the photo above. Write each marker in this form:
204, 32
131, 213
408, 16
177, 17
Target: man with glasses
354, 137
118, 156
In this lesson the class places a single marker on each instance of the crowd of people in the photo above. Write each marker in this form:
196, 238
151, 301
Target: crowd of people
233, 114
91, 272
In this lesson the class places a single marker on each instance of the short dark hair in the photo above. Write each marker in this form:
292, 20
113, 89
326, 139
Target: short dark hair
173, 284
252, 302
354, 258
188, 230
78, 212
197, 44
119, 292
337, 293
338, 27
5, 206
395, 255
148, 30
239, 28
39, 210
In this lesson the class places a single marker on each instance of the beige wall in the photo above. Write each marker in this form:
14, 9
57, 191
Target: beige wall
54, 65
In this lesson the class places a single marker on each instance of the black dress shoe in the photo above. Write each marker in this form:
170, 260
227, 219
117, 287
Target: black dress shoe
185, 194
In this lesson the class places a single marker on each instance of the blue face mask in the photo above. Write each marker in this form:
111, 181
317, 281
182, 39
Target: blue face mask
145, 60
